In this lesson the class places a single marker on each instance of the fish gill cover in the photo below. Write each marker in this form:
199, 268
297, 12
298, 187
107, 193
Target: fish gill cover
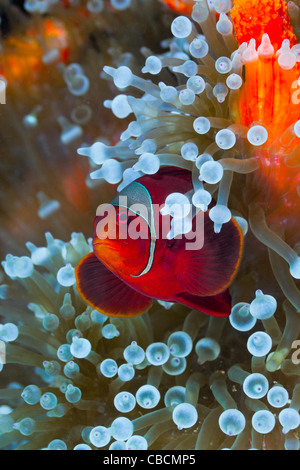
219, 97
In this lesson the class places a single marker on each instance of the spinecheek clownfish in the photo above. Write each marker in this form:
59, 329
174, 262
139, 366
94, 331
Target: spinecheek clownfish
123, 274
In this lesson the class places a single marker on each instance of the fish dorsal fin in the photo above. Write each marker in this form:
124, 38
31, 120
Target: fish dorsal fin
211, 269
104, 291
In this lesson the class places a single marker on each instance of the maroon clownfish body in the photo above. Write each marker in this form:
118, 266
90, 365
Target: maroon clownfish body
125, 273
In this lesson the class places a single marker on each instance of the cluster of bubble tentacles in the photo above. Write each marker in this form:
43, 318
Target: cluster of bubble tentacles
185, 118
93, 6
165, 380
50, 57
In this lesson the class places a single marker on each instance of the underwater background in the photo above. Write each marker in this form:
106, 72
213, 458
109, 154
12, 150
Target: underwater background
94, 94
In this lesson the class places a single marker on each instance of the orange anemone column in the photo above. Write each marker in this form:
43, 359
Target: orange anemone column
269, 97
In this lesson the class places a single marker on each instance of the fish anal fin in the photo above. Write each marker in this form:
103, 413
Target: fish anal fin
216, 305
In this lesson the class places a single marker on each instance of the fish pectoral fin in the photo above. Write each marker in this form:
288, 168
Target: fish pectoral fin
216, 305
105, 292
211, 269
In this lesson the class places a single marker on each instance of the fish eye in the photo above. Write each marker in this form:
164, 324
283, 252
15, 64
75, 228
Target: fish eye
122, 217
